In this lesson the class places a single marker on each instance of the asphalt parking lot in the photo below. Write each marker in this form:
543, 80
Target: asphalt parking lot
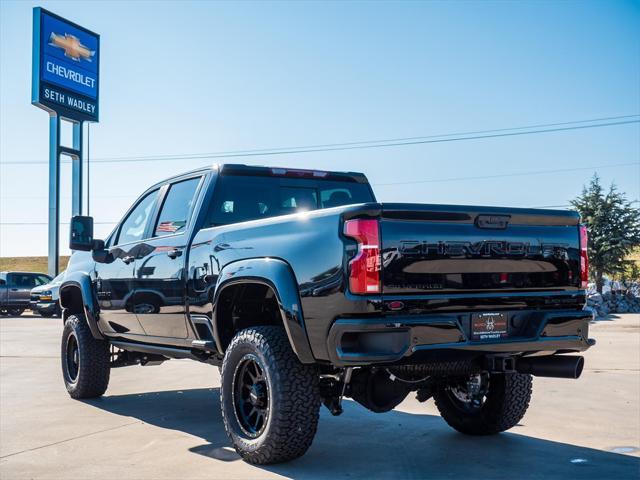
164, 422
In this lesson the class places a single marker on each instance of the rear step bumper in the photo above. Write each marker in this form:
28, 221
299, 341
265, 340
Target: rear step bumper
391, 339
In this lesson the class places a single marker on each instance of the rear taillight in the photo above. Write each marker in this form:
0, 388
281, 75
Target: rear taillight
364, 268
584, 259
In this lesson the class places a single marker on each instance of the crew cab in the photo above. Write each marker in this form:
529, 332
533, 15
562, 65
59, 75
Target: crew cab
304, 290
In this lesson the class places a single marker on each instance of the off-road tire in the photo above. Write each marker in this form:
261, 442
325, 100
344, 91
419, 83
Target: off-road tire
506, 403
293, 396
93, 356
15, 312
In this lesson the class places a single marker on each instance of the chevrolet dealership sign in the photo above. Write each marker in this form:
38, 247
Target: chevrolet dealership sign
66, 67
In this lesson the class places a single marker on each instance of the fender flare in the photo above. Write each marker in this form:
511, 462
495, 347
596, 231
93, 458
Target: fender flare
278, 275
82, 282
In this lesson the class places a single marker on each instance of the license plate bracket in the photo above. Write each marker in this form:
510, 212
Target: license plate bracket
489, 326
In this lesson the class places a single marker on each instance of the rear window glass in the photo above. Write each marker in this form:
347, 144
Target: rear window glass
242, 198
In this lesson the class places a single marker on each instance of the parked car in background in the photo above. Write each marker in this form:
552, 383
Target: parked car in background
44, 298
15, 290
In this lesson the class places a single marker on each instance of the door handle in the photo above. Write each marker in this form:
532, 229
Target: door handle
128, 259
175, 253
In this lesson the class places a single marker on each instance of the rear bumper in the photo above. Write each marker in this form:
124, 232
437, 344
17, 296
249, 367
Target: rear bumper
415, 339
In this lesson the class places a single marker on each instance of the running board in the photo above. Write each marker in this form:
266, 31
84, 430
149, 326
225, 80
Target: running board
195, 353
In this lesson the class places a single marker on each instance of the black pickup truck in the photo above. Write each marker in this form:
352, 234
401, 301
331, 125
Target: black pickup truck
305, 290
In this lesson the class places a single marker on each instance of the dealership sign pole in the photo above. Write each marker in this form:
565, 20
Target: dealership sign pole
65, 83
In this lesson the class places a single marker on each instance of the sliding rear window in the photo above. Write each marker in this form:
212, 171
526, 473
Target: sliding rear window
241, 198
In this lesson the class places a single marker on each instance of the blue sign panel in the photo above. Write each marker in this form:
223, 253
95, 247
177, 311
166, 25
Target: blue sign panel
66, 67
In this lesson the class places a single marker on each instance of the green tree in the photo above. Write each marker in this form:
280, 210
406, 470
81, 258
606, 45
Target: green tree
631, 272
613, 225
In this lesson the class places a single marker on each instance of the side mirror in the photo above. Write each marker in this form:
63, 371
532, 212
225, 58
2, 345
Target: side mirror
100, 254
81, 233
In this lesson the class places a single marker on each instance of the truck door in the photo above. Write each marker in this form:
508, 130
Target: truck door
160, 284
115, 279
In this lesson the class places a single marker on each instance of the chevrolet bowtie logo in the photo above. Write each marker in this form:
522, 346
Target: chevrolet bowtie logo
71, 46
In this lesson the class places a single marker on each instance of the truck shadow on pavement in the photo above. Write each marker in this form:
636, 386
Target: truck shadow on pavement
391, 445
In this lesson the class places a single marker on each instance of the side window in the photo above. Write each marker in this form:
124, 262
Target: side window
177, 205
22, 280
241, 201
133, 227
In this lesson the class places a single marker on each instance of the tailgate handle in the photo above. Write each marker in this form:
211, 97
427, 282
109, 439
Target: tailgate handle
494, 222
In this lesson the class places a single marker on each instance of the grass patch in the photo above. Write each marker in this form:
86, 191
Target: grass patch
29, 264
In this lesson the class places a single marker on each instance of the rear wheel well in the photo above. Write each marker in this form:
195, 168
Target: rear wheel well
245, 305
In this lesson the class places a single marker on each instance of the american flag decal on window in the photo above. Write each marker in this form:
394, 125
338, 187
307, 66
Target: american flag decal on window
170, 227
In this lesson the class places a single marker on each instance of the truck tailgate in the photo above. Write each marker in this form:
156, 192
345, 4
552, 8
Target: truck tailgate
448, 249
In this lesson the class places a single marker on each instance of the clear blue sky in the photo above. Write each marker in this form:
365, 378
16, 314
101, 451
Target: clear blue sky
181, 77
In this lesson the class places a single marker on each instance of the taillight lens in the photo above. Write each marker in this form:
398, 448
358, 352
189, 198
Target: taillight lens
584, 259
364, 268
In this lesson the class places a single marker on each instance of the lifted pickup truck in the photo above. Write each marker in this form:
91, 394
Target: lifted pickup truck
304, 290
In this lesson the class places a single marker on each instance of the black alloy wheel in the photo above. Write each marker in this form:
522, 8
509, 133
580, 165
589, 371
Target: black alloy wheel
85, 360
469, 396
72, 358
251, 396
270, 401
